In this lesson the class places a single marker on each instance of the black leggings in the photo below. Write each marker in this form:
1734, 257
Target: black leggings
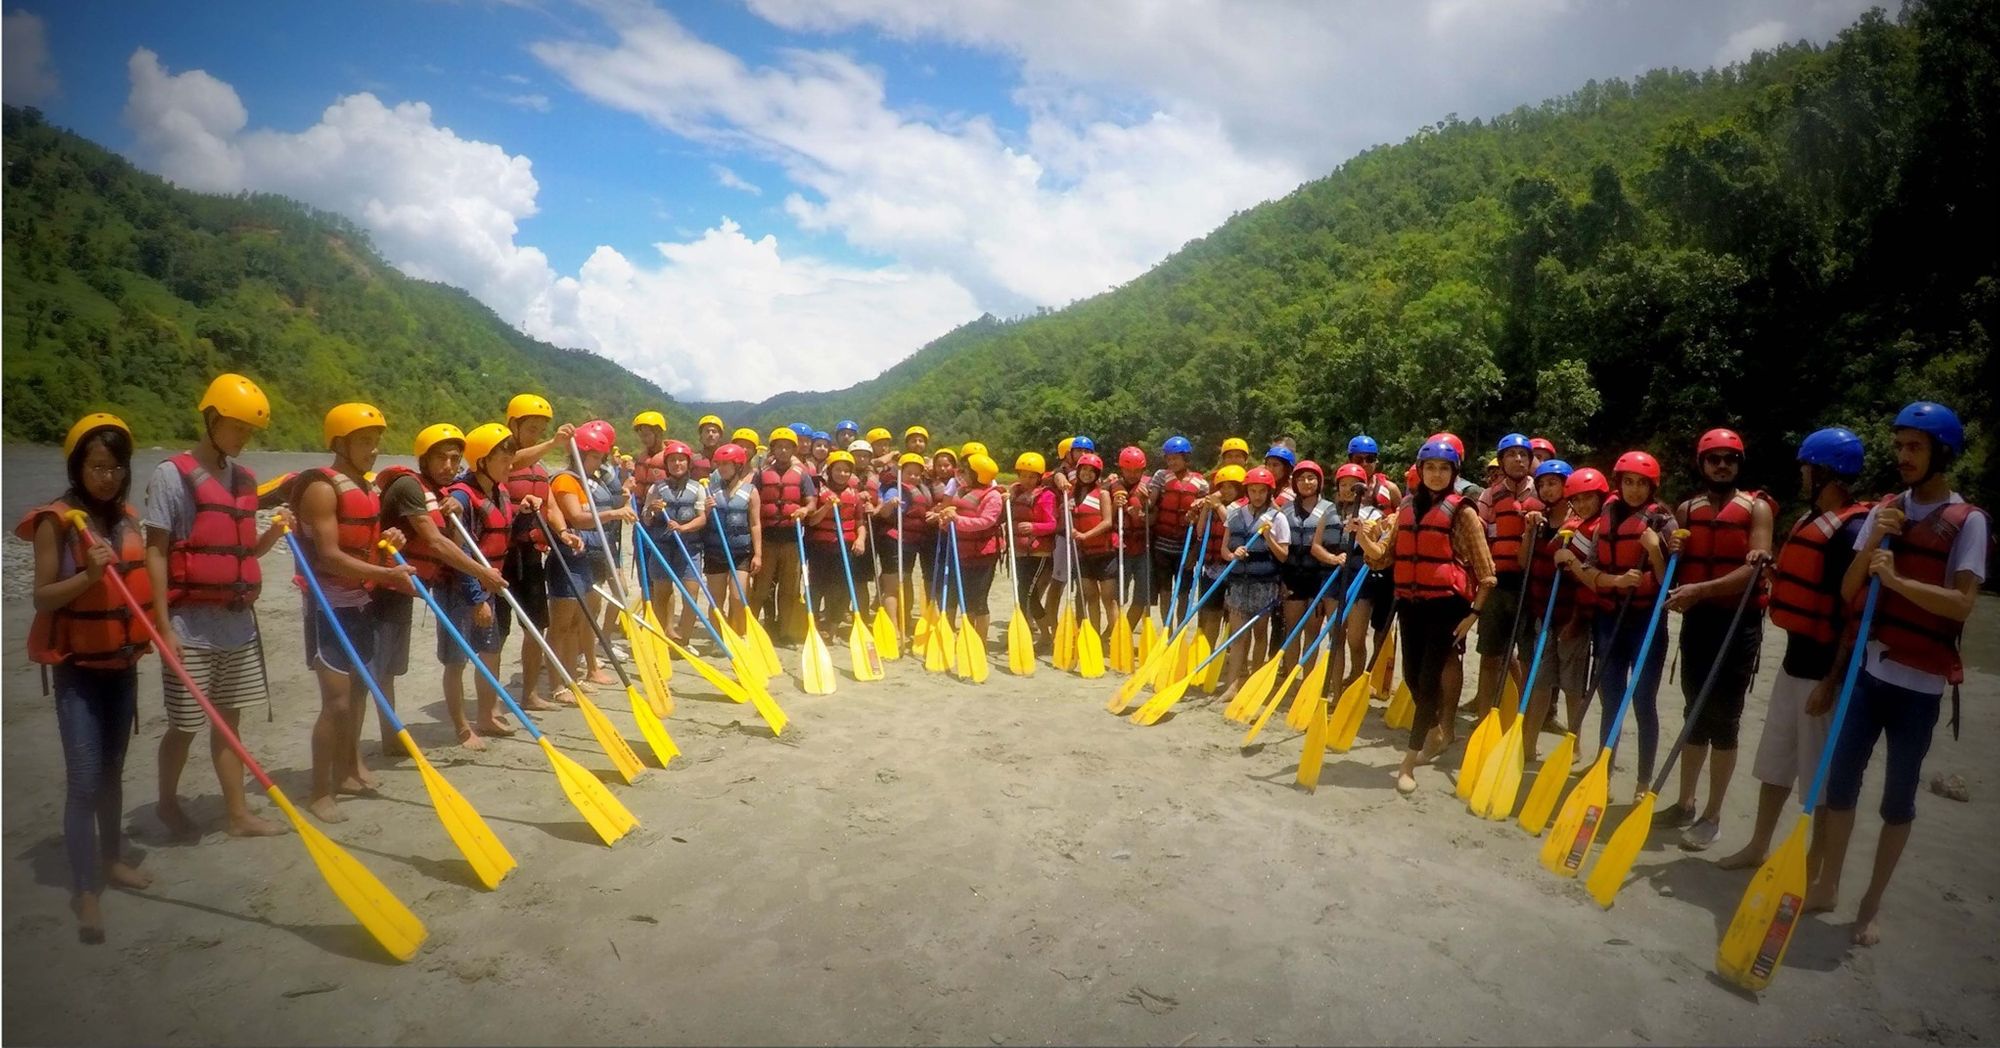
1428, 647
1026, 571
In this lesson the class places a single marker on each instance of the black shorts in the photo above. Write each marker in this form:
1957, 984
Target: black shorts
1097, 566
885, 555
1380, 592
393, 613
978, 583
322, 636
1304, 583
523, 570
1703, 630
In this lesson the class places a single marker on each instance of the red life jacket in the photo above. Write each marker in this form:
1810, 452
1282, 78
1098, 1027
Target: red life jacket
1218, 537
1717, 540
1178, 495
1427, 565
1086, 513
1542, 572
531, 479
1133, 531
1026, 511
1387, 495
416, 550
1798, 603
1913, 637
95, 629
978, 501
489, 520
778, 494
358, 512
821, 533
214, 564
1619, 551
914, 502
648, 470
1502, 510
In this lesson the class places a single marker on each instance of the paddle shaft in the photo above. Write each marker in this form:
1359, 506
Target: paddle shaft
958, 576
700, 614
1854, 660
846, 564
1645, 649
1240, 630
805, 576
1346, 605
603, 641
1548, 619
597, 522
444, 623
1708, 682
527, 626
1180, 572
1307, 617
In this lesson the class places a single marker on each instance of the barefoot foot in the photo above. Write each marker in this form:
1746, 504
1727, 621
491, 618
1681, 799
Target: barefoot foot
248, 825
179, 826
496, 726
1822, 898
470, 740
1405, 784
1749, 858
1867, 928
89, 919
538, 703
123, 875
325, 810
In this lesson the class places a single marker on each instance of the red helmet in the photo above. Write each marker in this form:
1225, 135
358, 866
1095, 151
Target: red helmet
1260, 475
1724, 439
1586, 479
1089, 458
732, 452
1543, 444
1638, 462
1132, 458
1309, 466
675, 447
1350, 469
1449, 438
595, 435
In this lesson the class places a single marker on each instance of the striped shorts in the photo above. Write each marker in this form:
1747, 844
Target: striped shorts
232, 678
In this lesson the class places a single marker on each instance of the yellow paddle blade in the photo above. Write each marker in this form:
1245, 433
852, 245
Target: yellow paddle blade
1089, 652
1500, 779
934, 653
1149, 638
1548, 786
1063, 653
1250, 697
1118, 646
767, 654
1575, 829
768, 708
743, 658
1511, 693
1384, 669
623, 760
367, 898
1315, 751
886, 641
1755, 944
1489, 767
645, 647
920, 637
665, 665
489, 859
815, 662
652, 730
1270, 707
948, 640
1149, 671
1347, 714
972, 662
1211, 674
606, 816
1162, 701
861, 654
1621, 851
1402, 710
1299, 715
1020, 645
730, 689
1476, 750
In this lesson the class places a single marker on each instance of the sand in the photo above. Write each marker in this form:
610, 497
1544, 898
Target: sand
923, 861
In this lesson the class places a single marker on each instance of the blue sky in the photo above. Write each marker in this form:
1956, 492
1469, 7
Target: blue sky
738, 198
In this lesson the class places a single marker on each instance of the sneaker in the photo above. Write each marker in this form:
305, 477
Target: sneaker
1674, 816
1702, 834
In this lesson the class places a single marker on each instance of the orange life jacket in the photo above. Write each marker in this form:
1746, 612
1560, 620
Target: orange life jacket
1913, 637
778, 494
1718, 540
358, 512
1799, 603
216, 564
523, 481
981, 502
1427, 564
488, 519
1502, 510
821, 532
1178, 495
1619, 550
1087, 511
96, 629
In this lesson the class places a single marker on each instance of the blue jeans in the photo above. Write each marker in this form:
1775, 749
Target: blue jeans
1907, 718
1618, 653
95, 712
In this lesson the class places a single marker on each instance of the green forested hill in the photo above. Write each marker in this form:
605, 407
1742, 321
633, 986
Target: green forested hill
125, 293
1802, 239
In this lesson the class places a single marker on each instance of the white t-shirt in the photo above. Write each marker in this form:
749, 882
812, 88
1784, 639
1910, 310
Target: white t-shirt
1968, 553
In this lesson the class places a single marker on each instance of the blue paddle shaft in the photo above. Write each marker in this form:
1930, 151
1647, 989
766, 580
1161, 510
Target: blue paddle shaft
846, 565
958, 574
444, 623
1548, 619
1645, 648
1847, 683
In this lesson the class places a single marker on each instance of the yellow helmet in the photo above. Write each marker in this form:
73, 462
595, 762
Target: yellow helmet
650, 418
878, 434
481, 441
744, 433
839, 456
96, 420
781, 433
528, 405
708, 420
1031, 460
973, 447
346, 419
935, 455
1062, 447
910, 458
1236, 444
233, 396
1229, 473
1493, 463
983, 467
916, 431
762, 448
433, 435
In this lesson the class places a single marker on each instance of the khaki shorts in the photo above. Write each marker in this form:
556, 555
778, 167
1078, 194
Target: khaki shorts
1789, 752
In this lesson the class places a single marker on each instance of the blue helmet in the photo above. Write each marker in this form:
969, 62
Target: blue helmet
1512, 441
1283, 454
1178, 446
820, 434
1363, 445
1083, 444
1935, 419
1438, 449
801, 429
847, 424
1837, 448
1553, 468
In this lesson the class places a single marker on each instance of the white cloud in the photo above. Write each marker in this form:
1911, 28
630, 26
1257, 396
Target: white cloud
728, 179
30, 77
719, 316
1749, 40
538, 103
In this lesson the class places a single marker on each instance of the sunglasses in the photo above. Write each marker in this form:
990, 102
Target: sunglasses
1722, 458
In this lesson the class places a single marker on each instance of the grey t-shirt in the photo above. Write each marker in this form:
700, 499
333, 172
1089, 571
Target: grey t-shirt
170, 509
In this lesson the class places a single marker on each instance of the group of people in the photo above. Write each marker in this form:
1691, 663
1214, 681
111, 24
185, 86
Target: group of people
745, 524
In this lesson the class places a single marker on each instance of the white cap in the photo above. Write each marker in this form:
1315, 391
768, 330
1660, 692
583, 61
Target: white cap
861, 445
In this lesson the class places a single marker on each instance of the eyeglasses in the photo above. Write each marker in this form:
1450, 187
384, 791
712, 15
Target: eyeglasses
1722, 458
106, 472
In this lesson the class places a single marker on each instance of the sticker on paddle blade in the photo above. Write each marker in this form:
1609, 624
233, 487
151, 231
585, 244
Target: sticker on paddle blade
1584, 833
1775, 939
874, 657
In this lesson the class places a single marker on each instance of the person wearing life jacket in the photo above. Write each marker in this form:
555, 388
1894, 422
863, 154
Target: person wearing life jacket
647, 468
1938, 548
1570, 500
1353, 526
572, 575
1627, 561
708, 437
846, 432
1037, 523
1364, 451
1254, 586
412, 500
747, 439
882, 457
1211, 518
834, 548
822, 446
1310, 559
786, 494
477, 498
1728, 535
1096, 529
732, 499
1179, 490
202, 545
1806, 604
916, 440
1444, 576
92, 641
1132, 495
1502, 507
975, 510
1543, 449
1279, 460
340, 521
675, 516
906, 537
525, 569
1235, 452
